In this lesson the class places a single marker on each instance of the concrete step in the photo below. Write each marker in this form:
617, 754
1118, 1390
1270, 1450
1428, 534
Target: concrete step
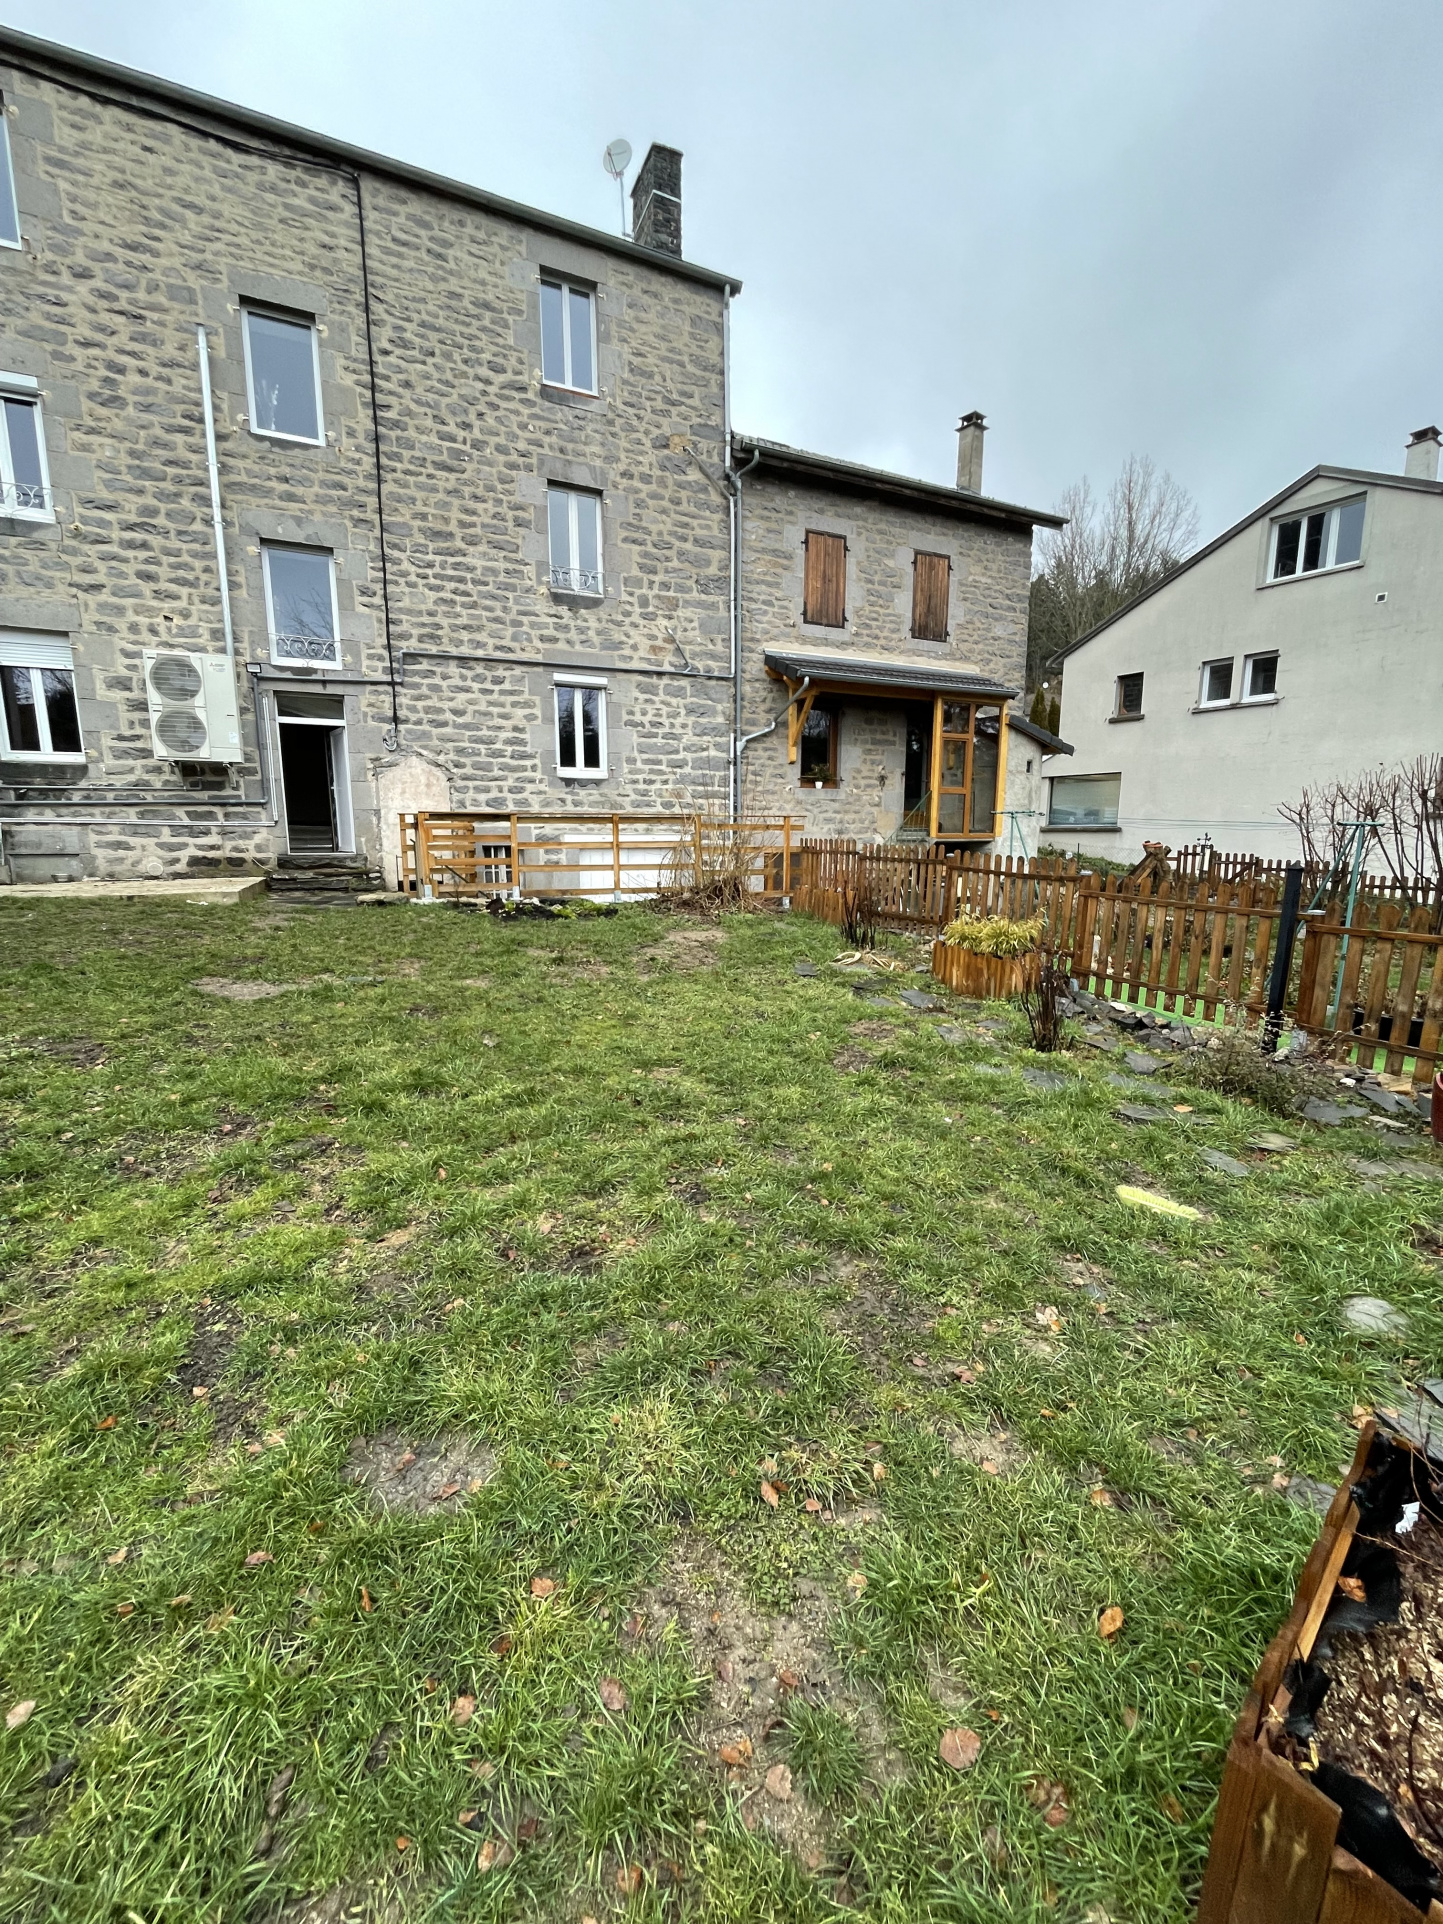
320, 859
350, 881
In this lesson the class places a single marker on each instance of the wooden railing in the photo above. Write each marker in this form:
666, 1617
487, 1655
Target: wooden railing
465, 853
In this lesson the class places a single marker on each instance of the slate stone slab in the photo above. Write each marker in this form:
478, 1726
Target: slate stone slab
992, 1023
806, 968
1374, 1317
919, 999
1103, 1042
1409, 1170
1309, 1495
1158, 1090
1140, 1112
1043, 1079
1271, 1143
880, 1002
953, 1032
1383, 1099
1330, 1114
1227, 1165
1140, 1063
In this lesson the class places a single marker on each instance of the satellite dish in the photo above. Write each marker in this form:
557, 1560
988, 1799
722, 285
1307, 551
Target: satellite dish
617, 158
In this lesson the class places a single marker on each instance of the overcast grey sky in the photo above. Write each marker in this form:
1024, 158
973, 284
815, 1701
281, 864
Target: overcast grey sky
1204, 230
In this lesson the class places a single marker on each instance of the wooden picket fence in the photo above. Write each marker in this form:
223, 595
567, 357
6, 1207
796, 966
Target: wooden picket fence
1190, 945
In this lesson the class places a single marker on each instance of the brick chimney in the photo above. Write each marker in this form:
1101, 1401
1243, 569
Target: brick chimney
970, 430
656, 201
1421, 458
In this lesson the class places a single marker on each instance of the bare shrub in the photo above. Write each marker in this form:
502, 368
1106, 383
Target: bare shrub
861, 910
1404, 806
1043, 1001
1239, 1062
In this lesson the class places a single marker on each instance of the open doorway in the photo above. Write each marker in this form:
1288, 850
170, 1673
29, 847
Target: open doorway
315, 786
917, 766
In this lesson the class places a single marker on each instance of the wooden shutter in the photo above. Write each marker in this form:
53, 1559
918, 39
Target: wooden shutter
931, 585
824, 600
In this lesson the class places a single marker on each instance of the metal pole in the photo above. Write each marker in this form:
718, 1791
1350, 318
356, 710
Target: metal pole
1283, 953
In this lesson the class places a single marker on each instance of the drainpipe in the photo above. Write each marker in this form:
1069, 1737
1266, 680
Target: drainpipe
745, 741
202, 343
734, 489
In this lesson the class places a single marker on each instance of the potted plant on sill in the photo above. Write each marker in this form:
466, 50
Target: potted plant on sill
991, 957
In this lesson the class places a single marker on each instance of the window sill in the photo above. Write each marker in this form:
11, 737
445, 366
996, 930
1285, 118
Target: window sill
583, 397
33, 758
583, 774
812, 788
1084, 828
821, 628
571, 598
1126, 718
15, 521
290, 440
1224, 707
1312, 574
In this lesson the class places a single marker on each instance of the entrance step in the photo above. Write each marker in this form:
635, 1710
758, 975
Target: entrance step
322, 859
307, 878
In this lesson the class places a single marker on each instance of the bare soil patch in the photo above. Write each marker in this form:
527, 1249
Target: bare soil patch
683, 949
240, 991
427, 1477
760, 1666
995, 1451
873, 1031
848, 1061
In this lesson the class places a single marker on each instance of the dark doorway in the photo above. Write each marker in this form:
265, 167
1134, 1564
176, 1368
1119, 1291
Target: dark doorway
308, 777
917, 769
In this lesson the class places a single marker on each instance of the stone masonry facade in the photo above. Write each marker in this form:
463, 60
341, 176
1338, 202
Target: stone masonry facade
148, 213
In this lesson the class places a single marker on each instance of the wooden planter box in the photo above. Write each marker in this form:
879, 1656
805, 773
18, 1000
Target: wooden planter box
990, 978
1274, 1857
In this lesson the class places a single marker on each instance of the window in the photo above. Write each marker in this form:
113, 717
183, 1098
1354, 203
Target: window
931, 587
824, 590
1129, 698
39, 720
24, 476
9, 212
301, 604
574, 526
568, 336
1260, 677
580, 729
1309, 543
1217, 683
283, 376
1084, 801
818, 749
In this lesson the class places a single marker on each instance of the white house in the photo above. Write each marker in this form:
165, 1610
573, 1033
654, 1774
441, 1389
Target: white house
1303, 645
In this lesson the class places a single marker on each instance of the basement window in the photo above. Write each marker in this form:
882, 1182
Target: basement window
568, 336
573, 524
301, 605
39, 720
283, 376
24, 476
1312, 543
1084, 801
9, 212
581, 730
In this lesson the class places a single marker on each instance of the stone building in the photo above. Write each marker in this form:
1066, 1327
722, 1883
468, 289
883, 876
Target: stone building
884, 634
330, 488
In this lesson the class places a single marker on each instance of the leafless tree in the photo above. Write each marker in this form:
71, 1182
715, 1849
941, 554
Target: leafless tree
1404, 806
1108, 552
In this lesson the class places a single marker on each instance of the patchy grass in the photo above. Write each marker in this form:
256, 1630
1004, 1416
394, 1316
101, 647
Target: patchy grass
755, 1336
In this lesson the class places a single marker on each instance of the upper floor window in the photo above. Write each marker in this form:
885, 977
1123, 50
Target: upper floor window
1260, 677
1217, 683
1129, 698
24, 477
1308, 543
9, 212
824, 590
580, 729
574, 532
568, 336
301, 604
39, 720
931, 589
283, 376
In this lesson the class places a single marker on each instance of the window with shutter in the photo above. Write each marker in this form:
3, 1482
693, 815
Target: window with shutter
824, 601
931, 582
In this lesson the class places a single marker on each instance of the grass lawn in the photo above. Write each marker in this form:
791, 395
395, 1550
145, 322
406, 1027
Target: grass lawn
598, 1405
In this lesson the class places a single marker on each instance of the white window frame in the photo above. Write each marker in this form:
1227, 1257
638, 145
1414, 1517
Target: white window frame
569, 582
24, 387
1331, 510
34, 653
316, 440
1249, 662
14, 199
571, 685
333, 660
569, 386
1229, 700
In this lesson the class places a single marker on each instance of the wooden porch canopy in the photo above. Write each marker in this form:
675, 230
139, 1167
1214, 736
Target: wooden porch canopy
968, 770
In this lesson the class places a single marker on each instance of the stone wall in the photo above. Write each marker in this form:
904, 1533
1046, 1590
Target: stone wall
987, 631
135, 231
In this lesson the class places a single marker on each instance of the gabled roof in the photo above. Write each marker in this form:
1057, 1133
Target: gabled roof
847, 477
49, 61
1362, 476
1054, 744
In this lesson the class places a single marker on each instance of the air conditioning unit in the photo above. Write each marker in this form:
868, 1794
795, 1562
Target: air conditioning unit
193, 716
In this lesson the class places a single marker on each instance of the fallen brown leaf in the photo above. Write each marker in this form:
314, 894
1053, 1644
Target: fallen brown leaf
403, 1843
959, 1749
258, 1557
989, 1468
811, 1506
221, 1618
769, 1495
543, 1586
124, 1609
17, 1714
106, 1423
493, 1854
612, 1695
463, 1710
1129, 1718
527, 1829
119, 1556
179, 1603
856, 1583
446, 1490
500, 1646
737, 1754
1110, 1622
365, 1598
1173, 1809
628, 1879
1353, 1587
788, 1679
779, 1783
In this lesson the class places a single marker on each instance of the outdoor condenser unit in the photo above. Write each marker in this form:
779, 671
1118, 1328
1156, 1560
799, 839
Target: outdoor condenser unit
193, 716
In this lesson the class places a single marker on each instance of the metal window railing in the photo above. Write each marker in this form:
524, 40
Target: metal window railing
305, 648
26, 497
577, 581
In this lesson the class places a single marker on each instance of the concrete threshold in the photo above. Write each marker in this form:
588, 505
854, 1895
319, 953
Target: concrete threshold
206, 891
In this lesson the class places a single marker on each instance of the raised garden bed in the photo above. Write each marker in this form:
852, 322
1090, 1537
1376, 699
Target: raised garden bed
990, 978
1331, 1809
